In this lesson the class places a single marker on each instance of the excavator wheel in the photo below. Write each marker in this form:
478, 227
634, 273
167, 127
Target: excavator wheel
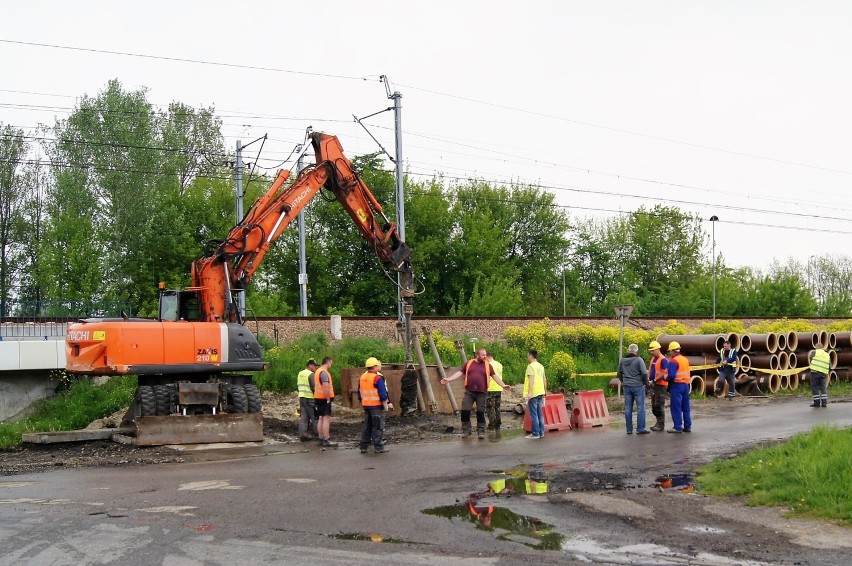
146, 401
237, 400
163, 400
253, 396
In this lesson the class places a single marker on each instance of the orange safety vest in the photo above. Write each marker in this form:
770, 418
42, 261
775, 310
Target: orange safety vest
487, 372
659, 376
682, 375
318, 392
368, 390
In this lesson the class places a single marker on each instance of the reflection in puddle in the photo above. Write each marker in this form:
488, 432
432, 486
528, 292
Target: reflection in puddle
680, 482
375, 537
506, 486
508, 525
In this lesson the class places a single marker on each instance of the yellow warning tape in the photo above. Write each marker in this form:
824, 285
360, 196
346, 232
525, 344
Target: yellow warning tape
778, 372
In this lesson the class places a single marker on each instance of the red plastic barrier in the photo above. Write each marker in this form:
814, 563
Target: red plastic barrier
590, 409
555, 414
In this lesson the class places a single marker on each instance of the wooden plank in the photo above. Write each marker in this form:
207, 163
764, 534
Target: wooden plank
199, 429
57, 437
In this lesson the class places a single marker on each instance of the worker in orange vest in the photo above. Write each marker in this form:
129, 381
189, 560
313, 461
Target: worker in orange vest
323, 397
657, 375
678, 379
373, 394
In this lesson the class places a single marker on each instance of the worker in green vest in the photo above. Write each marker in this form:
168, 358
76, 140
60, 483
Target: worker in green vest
820, 364
307, 407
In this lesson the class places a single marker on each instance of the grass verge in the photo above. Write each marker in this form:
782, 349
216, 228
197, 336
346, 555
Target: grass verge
75, 408
810, 474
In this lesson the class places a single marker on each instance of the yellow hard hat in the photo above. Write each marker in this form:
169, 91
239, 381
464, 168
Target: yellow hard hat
674, 346
654, 346
372, 362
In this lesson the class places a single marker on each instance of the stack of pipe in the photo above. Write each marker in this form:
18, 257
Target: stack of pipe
762, 352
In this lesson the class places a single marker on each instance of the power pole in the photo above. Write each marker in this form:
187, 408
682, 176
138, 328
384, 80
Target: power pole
303, 270
241, 296
404, 287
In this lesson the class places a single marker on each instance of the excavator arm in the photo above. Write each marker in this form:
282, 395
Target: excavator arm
231, 266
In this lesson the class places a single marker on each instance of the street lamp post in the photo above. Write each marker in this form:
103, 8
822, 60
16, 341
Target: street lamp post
564, 299
713, 220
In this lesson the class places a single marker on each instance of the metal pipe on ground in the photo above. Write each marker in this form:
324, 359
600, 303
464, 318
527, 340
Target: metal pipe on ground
832, 340
794, 381
696, 384
807, 340
694, 343
784, 381
763, 361
734, 339
792, 341
757, 342
823, 339
832, 359
783, 360
844, 374
844, 358
424, 374
843, 339
745, 362
441, 371
831, 379
782, 341
710, 386
769, 381
747, 385
792, 360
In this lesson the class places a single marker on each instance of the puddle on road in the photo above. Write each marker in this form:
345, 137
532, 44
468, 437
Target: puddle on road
680, 482
507, 525
374, 537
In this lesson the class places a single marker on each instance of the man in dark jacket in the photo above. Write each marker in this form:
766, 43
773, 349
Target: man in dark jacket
633, 376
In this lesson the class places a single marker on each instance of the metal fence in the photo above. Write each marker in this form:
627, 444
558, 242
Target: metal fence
46, 319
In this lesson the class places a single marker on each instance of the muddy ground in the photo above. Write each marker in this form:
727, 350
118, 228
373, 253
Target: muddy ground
280, 424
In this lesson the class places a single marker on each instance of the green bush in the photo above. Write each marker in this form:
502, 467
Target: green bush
563, 368
82, 403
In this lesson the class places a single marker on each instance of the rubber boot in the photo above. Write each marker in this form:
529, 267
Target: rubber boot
659, 426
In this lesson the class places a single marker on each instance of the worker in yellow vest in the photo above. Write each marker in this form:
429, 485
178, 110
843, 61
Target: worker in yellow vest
820, 364
535, 388
495, 395
307, 407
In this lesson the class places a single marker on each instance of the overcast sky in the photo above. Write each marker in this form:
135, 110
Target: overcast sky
736, 109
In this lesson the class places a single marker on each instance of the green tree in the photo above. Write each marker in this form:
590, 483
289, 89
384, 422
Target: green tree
13, 194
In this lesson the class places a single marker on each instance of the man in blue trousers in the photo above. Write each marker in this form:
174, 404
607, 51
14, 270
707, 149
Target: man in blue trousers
678, 379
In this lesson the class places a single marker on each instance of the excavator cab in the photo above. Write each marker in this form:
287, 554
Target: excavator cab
180, 305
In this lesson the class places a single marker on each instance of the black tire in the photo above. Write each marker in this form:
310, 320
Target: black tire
163, 398
253, 396
237, 400
146, 400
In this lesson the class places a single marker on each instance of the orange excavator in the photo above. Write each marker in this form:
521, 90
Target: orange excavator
185, 358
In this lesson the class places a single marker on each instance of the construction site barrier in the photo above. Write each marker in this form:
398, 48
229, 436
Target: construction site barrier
590, 409
555, 414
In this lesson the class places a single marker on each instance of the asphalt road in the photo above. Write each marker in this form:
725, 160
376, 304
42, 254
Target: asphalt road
292, 504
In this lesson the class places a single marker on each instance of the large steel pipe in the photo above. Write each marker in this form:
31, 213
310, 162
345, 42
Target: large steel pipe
784, 381
832, 340
782, 340
694, 343
696, 384
769, 381
806, 341
823, 339
793, 360
844, 374
710, 386
792, 341
794, 381
783, 360
734, 339
831, 379
844, 358
745, 362
832, 359
843, 339
763, 361
759, 342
